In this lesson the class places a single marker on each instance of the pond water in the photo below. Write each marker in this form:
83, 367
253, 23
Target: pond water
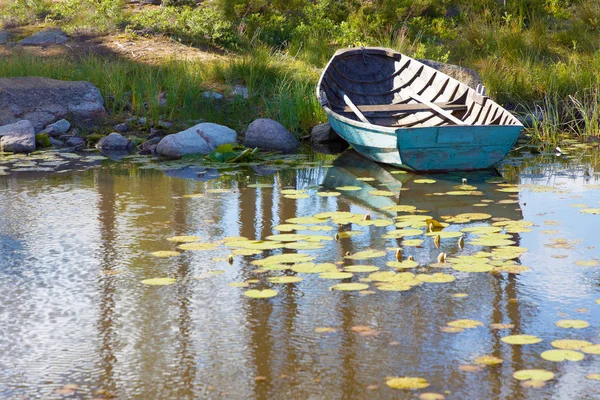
79, 318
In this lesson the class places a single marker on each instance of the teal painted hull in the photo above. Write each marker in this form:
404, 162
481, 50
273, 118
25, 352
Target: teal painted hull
440, 148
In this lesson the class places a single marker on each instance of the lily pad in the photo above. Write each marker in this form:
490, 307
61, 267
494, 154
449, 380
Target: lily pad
184, 239
260, 294
435, 278
533, 374
159, 281
465, 323
521, 339
562, 355
572, 323
165, 253
349, 286
571, 344
285, 279
407, 383
197, 246
335, 275
366, 254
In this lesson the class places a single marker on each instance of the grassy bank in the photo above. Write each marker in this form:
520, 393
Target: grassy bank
540, 57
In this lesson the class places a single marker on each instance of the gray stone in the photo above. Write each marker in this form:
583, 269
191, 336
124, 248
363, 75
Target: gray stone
267, 134
56, 142
45, 38
212, 95
239, 90
18, 137
43, 101
142, 121
114, 141
121, 128
323, 133
199, 139
149, 146
75, 142
164, 124
58, 128
4, 36
464, 75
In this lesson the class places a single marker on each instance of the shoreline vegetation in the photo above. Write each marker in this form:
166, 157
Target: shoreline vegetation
540, 58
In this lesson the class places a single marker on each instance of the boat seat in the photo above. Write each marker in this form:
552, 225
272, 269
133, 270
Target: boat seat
406, 108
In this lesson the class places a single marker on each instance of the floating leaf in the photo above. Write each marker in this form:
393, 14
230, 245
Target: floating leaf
386, 193
261, 185
335, 275
431, 396
445, 234
394, 286
407, 383
325, 330
588, 263
361, 268
184, 239
412, 242
218, 191
197, 246
310, 268
366, 254
479, 267
400, 233
260, 294
406, 264
285, 279
593, 349
572, 323
305, 220
348, 188
435, 278
289, 192
287, 237
399, 208
533, 374
488, 360
238, 284
424, 181
296, 196
328, 194
397, 172
465, 323
562, 355
165, 253
159, 281
303, 246
246, 252
571, 344
284, 258
593, 377
349, 286
290, 227
590, 211
521, 339
348, 234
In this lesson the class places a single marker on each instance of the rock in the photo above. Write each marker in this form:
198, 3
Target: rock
162, 99
202, 138
212, 95
58, 128
142, 121
114, 141
267, 134
18, 137
4, 36
464, 75
45, 38
164, 124
75, 142
323, 133
149, 146
121, 128
43, 101
56, 142
239, 90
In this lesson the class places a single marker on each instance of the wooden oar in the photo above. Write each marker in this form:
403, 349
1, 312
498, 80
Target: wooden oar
354, 109
408, 92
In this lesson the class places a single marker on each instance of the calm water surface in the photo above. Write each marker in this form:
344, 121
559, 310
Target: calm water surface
76, 245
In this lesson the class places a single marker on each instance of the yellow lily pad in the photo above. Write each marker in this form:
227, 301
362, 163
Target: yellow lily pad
287, 237
475, 267
159, 281
289, 227
325, 330
385, 193
246, 252
348, 188
571, 344
406, 264
184, 239
349, 286
165, 253
305, 220
444, 234
593, 349
366, 254
488, 360
590, 211
285, 279
218, 191
412, 242
328, 194
533, 374
303, 246
562, 355
284, 259
238, 284
593, 377
521, 339
424, 181
260, 294
292, 192
407, 383
348, 234
465, 323
435, 278
588, 263
361, 268
310, 268
572, 323
398, 172
197, 246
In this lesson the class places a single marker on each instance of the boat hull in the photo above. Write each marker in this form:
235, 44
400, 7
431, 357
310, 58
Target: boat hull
441, 148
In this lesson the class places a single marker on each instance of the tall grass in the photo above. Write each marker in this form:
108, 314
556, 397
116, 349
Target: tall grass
279, 87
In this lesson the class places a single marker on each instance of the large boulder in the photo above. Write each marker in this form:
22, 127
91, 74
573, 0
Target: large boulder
323, 133
18, 137
4, 36
267, 134
114, 141
45, 38
199, 139
43, 101
464, 75
58, 128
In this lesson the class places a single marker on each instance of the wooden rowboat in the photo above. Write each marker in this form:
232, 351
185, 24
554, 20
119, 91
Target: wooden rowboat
396, 110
